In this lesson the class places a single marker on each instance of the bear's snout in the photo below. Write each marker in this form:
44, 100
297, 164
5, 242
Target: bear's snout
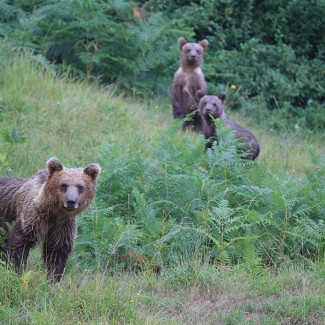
71, 204
192, 58
209, 110
71, 198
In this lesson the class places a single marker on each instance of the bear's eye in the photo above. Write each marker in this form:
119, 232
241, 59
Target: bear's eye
188, 51
63, 187
198, 51
80, 188
214, 105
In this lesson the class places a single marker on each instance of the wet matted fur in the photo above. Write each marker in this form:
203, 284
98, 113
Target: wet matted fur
44, 208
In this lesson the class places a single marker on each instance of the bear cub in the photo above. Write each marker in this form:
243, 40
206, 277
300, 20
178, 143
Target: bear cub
214, 106
44, 208
188, 79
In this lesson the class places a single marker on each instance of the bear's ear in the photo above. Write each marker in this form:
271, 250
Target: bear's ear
54, 165
181, 42
222, 96
199, 94
204, 44
93, 170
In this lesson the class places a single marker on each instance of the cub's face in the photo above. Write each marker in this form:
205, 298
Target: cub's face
192, 53
211, 105
71, 189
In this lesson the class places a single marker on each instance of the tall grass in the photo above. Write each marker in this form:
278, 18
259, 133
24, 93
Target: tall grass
73, 130
204, 294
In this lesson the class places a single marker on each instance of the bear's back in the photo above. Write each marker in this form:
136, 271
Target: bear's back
241, 132
8, 188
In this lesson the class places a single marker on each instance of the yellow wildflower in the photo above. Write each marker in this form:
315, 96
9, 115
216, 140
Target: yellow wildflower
233, 87
131, 300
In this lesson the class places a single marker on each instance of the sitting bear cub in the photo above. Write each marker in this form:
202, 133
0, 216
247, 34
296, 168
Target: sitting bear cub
214, 106
44, 208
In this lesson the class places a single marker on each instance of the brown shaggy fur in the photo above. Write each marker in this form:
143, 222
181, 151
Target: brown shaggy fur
188, 79
44, 208
214, 106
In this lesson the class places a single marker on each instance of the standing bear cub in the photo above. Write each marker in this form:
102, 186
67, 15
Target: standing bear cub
44, 208
214, 106
189, 78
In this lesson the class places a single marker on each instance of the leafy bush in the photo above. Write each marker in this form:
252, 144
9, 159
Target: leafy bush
99, 38
178, 202
265, 50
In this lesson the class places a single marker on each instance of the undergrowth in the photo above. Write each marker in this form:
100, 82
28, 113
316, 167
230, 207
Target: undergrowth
176, 202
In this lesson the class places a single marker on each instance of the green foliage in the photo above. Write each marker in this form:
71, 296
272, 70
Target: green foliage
275, 59
177, 202
102, 39
12, 136
4, 234
261, 47
291, 87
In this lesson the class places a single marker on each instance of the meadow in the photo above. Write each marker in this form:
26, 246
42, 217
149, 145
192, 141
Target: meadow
174, 236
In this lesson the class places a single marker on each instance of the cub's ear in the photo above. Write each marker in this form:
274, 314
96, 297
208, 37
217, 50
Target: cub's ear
181, 42
204, 44
222, 96
199, 94
93, 170
54, 165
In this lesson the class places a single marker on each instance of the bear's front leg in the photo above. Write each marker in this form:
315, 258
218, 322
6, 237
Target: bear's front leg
57, 247
18, 245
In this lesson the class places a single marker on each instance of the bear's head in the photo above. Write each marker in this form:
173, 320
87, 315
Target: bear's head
192, 53
70, 191
213, 105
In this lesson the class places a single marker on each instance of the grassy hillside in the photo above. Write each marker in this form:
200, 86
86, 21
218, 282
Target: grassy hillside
90, 115
44, 115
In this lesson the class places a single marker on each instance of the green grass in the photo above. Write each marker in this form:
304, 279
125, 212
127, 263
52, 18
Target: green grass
212, 295
35, 128
74, 130
90, 115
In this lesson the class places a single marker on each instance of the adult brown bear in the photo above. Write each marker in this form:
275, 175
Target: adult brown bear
44, 208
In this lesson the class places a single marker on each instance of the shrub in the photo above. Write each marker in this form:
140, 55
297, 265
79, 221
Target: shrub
179, 202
